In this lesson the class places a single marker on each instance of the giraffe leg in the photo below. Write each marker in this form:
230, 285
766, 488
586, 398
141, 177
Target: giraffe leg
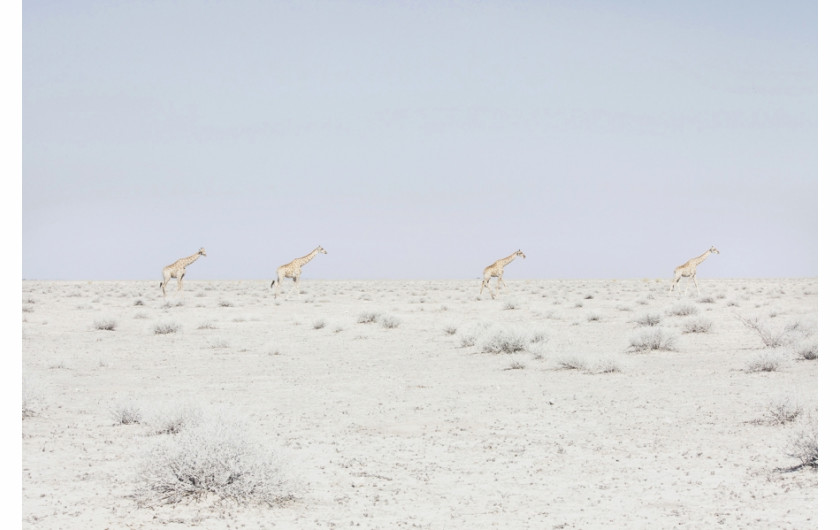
695, 285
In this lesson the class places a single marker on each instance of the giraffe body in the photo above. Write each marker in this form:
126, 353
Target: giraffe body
292, 270
497, 269
178, 269
689, 269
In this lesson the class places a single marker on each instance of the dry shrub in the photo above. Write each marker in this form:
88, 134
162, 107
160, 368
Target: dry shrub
505, 342
215, 459
165, 328
105, 325
764, 361
803, 445
698, 325
648, 320
652, 340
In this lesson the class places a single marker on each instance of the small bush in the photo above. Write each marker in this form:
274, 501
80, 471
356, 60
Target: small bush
319, 324
467, 341
765, 361
572, 362
27, 401
166, 328
105, 325
652, 340
174, 419
648, 320
505, 342
803, 445
769, 337
538, 337
126, 414
510, 305
368, 318
390, 322
698, 325
225, 303
806, 351
597, 365
682, 310
782, 410
215, 459
450, 330
515, 365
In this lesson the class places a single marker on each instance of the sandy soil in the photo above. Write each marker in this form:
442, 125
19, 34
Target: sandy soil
407, 422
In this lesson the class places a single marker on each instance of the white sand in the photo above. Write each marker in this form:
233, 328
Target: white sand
404, 427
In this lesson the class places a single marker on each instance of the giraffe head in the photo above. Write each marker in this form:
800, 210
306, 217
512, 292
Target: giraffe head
321, 249
520, 253
201, 251
713, 250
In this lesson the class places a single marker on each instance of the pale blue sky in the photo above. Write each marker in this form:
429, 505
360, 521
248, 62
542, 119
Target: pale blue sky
419, 139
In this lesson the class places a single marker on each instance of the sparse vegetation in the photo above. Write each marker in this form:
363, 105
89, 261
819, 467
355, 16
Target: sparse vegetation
698, 325
105, 325
803, 444
505, 342
126, 414
175, 418
764, 361
214, 460
651, 341
590, 365
649, 320
682, 310
390, 322
806, 350
319, 324
368, 318
782, 410
769, 337
166, 328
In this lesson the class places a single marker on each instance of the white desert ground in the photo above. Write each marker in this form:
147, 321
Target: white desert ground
417, 404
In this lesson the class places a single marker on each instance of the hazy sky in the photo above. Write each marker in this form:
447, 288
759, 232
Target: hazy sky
419, 139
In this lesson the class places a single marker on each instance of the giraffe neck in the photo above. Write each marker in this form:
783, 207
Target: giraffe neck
306, 259
699, 259
188, 260
504, 261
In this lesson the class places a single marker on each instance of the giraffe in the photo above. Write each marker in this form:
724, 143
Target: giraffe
689, 269
178, 269
292, 270
497, 269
